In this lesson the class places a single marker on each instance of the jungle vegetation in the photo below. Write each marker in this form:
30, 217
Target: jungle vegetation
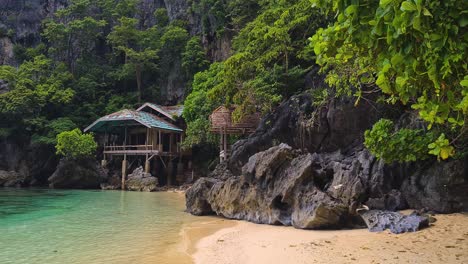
96, 57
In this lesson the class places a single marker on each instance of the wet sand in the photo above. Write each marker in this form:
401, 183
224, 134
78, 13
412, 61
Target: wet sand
227, 241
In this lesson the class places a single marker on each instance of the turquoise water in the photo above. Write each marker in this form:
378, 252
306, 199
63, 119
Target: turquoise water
74, 226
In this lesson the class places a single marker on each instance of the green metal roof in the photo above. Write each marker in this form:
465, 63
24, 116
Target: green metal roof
168, 111
128, 117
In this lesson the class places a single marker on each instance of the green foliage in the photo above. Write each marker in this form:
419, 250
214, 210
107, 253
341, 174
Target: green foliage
268, 62
118, 102
162, 19
95, 57
173, 43
52, 129
70, 39
441, 148
402, 145
75, 144
34, 85
136, 46
194, 57
414, 50
200, 103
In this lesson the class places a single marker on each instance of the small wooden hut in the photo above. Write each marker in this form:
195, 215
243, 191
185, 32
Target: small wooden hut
222, 124
150, 131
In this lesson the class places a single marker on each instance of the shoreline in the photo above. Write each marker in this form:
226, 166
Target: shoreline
234, 241
191, 234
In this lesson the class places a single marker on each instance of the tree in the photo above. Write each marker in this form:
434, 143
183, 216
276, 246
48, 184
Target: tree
133, 43
72, 32
75, 144
36, 88
200, 103
52, 129
268, 64
410, 49
194, 58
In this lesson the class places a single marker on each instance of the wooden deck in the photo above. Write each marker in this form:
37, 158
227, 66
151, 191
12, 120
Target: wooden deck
139, 150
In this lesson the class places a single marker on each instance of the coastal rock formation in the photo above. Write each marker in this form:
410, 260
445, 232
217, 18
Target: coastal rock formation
321, 173
11, 179
336, 125
78, 174
196, 197
397, 223
438, 186
33, 163
141, 181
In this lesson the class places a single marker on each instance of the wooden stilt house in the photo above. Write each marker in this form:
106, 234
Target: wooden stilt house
152, 132
222, 124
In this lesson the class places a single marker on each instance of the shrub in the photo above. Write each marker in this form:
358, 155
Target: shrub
75, 144
402, 145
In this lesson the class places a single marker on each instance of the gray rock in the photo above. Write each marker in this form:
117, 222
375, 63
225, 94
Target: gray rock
24, 18
33, 162
438, 186
78, 174
276, 187
6, 54
196, 197
141, 181
322, 173
397, 223
11, 179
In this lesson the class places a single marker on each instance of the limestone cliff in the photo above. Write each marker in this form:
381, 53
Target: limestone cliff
21, 26
315, 175
20, 23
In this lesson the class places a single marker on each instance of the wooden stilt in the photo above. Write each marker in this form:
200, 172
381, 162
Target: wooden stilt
170, 167
221, 145
124, 171
225, 144
147, 165
160, 146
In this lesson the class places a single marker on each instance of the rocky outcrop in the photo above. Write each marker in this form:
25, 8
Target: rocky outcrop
397, 223
276, 186
336, 125
196, 197
6, 52
438, 186
78, 174
11, 179
21, 20
321, 173
141, 181
34, 163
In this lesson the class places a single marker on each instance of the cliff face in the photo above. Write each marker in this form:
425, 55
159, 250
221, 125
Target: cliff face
20, 22
321, 172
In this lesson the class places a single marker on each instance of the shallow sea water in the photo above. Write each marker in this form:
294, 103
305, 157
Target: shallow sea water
75, 226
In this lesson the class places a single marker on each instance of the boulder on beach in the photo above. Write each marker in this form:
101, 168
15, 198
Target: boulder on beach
396, 222
141, 181
78, 174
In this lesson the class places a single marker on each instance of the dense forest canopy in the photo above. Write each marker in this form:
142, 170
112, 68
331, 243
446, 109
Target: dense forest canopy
96, 57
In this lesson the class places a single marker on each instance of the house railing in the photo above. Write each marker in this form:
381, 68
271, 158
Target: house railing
140, 149
128, 147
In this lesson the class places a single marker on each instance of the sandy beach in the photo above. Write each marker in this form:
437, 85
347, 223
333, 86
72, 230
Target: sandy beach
227, 241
